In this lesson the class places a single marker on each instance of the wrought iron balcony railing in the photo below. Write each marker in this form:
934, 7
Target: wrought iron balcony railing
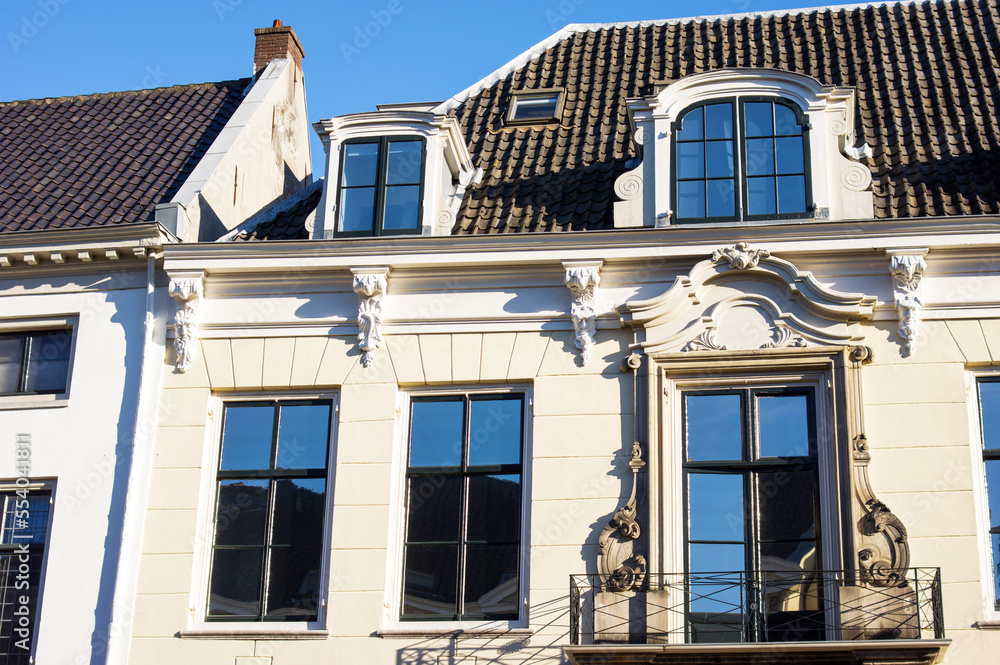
766, 606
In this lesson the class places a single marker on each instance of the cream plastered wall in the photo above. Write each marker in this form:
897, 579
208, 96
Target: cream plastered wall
918, 423
581, 432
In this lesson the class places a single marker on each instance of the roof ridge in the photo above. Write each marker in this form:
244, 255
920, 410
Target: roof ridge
119, 93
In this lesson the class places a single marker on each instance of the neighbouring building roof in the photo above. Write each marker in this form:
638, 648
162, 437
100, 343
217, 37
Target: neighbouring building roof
288, 220
106, 158
928, 94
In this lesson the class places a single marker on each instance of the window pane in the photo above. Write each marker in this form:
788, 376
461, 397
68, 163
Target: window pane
791, 193
241, 515
31, 530
434, 507
298, 512
491, 581
714, 427
495, 432
760, 156
494, 508
690, 160
692, 126
789, 155
540, 107
720, 159
715, 600
995, 540
691, 199
784, 425
235, 586
246, 438
993, 493
303, 434
721, 199
48, 362
293, 583
357, 207
402, 207
989, 410
403, 167
436, 433
360, 164
758, 118
715, 507
429, 581
785, 123
10, 362
719, 121
788, 505
760, 192
790, 556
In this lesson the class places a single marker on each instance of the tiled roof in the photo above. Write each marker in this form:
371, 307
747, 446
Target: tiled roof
106, 158
928, 91
287, 220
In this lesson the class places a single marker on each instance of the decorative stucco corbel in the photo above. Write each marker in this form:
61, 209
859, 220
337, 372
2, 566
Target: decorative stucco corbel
907, 268
582, 278
370, 284
740, 256
620, 567
187, 290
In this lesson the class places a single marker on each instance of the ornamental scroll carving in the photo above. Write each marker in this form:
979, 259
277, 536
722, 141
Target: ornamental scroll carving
740, 256
883, 550
370, 284
621, 568
187, 291
907, 269
582, 279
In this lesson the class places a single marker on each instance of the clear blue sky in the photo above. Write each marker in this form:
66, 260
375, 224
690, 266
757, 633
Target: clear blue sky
421, 51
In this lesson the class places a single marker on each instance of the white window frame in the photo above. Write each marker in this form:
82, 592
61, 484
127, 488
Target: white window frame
197, 626
69, 322
991, 616
391, 623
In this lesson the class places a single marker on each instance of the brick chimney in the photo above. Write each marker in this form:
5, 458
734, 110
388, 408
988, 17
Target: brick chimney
276, 43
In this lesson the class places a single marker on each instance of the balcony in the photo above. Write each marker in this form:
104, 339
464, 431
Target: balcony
765, 617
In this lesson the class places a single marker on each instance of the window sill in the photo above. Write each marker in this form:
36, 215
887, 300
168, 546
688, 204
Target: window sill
988, 624
33, 401
252, 634
455, 633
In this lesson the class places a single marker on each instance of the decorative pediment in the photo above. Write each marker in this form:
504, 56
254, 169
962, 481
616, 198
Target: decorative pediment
743, 299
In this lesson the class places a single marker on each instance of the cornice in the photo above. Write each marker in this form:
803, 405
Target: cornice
82, 248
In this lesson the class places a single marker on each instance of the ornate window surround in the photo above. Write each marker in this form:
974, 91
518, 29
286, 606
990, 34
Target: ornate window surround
392, 626
840, 184
197, 627
447, 166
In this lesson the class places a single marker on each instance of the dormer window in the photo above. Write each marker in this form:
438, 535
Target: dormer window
741, 159
380, 186
535, 107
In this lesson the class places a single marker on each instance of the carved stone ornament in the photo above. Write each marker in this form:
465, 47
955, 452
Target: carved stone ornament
740, 256
370, 284
631, 362
187, 291
582, 278
621, 568
784, 338
704, 342
883, 550
907, 268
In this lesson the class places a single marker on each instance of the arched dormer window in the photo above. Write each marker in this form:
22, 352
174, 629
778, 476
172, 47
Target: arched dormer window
741, 158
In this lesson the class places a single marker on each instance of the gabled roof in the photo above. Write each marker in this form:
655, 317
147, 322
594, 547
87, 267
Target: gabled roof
106, 158
928, 90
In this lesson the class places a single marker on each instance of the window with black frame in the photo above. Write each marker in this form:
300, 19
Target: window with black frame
462, 553
752, 520
267, 555
35, 363
989, 418
22, 548
380, 189
741, 159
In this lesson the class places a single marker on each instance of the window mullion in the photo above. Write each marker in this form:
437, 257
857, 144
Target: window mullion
381, 180
272, 488
739, 159
463, 535
22, 374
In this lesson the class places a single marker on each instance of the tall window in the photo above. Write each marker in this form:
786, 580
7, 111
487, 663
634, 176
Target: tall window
989, 414
752, 484
22, 548
463, 508
34, 363
741, 159
380, 186
272, 484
